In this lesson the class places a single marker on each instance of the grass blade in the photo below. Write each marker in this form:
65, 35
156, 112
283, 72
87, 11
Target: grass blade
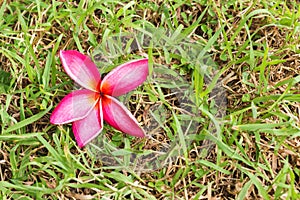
27, 121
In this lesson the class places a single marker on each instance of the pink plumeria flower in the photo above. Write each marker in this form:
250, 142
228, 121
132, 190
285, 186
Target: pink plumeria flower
88, 107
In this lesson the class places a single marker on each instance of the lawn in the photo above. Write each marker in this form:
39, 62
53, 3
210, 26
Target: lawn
220, 106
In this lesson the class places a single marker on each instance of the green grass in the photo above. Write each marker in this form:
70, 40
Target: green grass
242, 144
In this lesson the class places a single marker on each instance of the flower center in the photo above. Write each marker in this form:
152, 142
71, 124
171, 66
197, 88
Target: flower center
101, 94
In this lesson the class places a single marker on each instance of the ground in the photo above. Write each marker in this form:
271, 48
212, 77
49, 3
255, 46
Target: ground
223, 88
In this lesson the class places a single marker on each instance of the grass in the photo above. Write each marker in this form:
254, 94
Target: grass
221, 104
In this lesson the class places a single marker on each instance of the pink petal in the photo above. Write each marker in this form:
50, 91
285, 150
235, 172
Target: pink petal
125, 78
89, 127
74, 106
117, 115
81, 69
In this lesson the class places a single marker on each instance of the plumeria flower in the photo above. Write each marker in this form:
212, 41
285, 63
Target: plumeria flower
88, 107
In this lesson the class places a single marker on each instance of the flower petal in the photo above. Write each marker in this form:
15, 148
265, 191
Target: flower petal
89, 127
117, 115
74, 106
125, 77
81, 69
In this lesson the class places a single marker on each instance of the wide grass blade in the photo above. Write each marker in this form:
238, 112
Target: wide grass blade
27, 121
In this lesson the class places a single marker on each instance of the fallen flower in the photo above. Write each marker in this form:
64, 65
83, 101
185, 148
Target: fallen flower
88, 107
